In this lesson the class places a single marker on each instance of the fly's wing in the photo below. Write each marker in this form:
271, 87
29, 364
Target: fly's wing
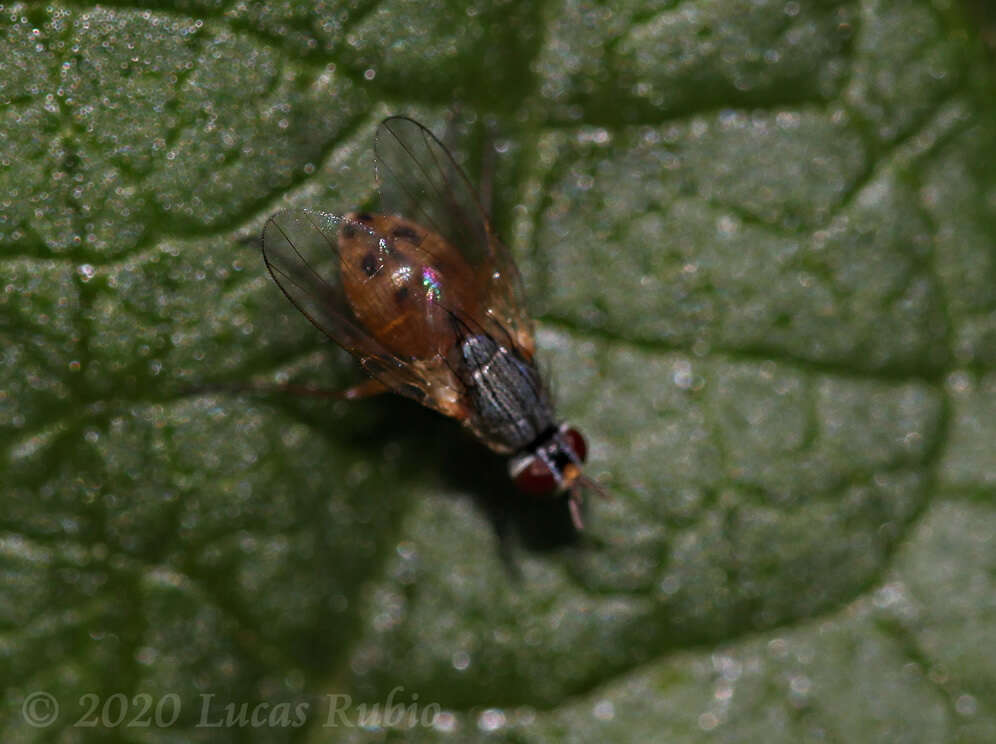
421, 181
303, 252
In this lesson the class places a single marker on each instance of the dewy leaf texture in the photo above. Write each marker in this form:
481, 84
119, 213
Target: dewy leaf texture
758, 238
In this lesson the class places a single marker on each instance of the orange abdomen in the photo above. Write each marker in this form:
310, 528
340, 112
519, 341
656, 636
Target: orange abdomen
405, 284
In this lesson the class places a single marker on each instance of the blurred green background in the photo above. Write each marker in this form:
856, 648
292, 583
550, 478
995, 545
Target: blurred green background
759, 241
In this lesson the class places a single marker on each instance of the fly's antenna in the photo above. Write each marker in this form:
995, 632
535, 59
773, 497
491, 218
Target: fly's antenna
578, 480
574, 504
594, 485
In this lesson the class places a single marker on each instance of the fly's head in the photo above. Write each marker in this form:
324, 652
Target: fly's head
553, 465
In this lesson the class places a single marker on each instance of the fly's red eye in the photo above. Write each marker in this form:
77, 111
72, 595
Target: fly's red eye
536, 478
577, 443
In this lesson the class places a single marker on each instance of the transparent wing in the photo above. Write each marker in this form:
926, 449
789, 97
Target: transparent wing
420, 180
333, 268
300, 248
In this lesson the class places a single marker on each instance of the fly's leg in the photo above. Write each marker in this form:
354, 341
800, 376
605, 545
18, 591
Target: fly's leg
365, 389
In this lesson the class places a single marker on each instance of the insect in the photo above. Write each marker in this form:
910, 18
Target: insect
430, 302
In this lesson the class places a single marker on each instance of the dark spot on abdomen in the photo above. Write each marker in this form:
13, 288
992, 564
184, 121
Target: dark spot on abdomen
369, 264
401, 295
412, 392
364, 217
406, 233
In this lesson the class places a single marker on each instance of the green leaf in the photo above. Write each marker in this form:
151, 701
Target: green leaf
759, 241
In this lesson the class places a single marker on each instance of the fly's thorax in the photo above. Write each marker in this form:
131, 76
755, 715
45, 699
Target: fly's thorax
510, 406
